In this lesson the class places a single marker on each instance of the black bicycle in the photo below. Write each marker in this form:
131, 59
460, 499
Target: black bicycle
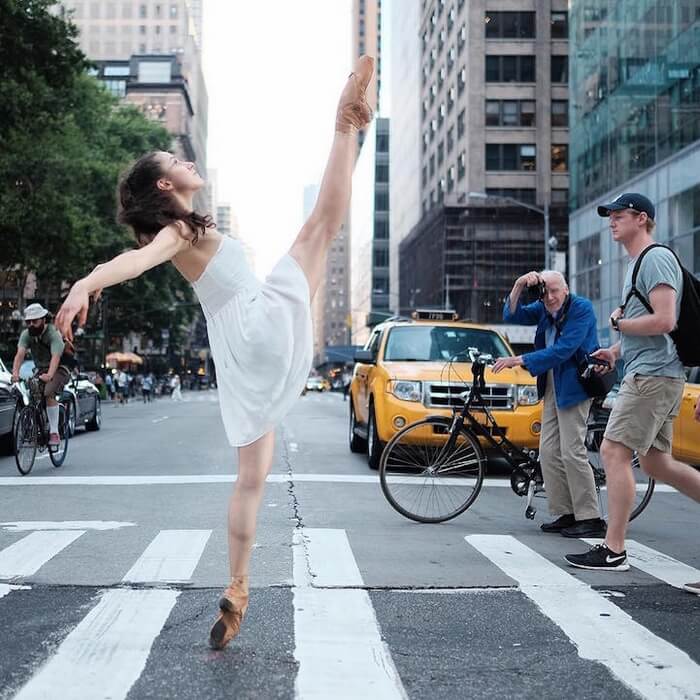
433, 470
32, 427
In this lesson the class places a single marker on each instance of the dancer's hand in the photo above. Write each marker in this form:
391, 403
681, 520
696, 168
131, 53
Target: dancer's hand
354, 112
77, 304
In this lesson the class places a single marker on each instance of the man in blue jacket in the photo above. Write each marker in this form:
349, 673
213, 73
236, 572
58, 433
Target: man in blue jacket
566, 331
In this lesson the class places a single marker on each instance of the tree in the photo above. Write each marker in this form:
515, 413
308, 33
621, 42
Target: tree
63, 142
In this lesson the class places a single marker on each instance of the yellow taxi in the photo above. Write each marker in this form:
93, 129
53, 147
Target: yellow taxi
686, 430
405, 373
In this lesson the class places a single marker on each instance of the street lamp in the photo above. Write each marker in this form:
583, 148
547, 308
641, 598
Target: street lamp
532, 207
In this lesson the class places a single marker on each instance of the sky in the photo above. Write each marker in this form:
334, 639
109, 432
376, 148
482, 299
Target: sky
274, 71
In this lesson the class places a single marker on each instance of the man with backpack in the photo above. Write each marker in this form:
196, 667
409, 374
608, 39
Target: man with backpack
658, 323
47, 348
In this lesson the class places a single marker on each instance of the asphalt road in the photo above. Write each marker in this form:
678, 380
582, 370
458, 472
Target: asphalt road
110, 569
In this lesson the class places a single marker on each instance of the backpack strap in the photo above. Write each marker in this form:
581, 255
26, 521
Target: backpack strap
634, 292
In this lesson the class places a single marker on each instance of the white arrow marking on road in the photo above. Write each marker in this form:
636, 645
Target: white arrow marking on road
160, 420
28, 555
601, 631
6, 588
170, 558
338, 644
23, 525
656, 564
107, 652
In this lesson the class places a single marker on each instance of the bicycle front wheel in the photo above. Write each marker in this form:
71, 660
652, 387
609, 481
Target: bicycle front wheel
25, 440
643, 484
58, 456
428, 478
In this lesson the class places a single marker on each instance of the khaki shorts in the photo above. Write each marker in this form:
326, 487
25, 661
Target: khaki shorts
643, 412
55, 386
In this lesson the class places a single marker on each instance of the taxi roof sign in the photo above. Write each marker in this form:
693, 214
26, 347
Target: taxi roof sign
435, 315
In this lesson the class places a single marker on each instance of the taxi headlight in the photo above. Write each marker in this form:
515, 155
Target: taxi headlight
527, 395
406, 391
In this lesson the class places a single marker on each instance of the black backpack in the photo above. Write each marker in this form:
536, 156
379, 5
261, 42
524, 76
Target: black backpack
686, 336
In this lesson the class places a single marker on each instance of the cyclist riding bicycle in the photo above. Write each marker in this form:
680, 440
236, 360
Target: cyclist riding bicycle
47, 348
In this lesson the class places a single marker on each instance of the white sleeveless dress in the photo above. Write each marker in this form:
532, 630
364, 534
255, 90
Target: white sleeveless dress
260, 337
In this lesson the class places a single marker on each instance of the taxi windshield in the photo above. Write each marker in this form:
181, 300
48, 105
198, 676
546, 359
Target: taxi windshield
440, 343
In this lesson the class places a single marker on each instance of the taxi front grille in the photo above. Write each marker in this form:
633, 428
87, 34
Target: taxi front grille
497, 397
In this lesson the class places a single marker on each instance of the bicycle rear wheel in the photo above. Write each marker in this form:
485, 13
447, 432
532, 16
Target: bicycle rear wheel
427, 481
59, 455
25, 440
644, 485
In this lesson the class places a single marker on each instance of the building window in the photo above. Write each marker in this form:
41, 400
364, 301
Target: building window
126, 10
510, 156
560, 113
462, 38
510, 25
560, 158
461, 124
173, 11
154, 72
588, 263
461, 166
451, 96
173, 28
381, 201
381, 258
142, 29
560, 25
441, 153
560, 197
510, 113
520, 194
431, 169
450, 139
143, 11
157, 29
511, 69
381, 230
381, 173
560, 69
462, 83
157, 8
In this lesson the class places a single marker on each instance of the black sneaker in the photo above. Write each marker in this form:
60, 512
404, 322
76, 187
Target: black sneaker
599, 558
559, 524
593, 527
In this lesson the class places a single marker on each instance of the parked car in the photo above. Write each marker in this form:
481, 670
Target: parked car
686, 430
8, 410
404, 374
82, 400
317, 384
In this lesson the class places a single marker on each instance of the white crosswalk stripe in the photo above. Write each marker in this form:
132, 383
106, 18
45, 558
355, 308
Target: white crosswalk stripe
656, 564
28, 555
338, 644
170, 558
105, 654
600, 630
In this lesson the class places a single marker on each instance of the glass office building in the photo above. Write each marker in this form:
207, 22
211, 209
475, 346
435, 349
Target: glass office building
635, 126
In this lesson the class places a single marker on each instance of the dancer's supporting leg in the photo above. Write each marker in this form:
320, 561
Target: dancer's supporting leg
315, 237
254, 463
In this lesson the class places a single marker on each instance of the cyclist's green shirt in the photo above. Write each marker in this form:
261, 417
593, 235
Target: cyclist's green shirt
44, 346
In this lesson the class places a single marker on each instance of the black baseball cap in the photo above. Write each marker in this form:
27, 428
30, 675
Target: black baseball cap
629, 200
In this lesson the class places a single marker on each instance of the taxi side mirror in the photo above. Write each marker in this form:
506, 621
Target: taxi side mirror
366, 357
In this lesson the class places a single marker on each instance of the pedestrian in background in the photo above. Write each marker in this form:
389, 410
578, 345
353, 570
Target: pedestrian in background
109, 383
147, 388
650, 395
566, 333
176, 387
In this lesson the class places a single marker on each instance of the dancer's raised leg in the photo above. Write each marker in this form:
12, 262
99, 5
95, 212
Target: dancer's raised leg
315, 237
254, 463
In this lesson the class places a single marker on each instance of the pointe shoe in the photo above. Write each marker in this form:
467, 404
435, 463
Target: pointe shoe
354, 112
233, 604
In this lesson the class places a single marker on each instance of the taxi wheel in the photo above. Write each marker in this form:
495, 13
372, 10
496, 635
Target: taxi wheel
374, 446
357, 444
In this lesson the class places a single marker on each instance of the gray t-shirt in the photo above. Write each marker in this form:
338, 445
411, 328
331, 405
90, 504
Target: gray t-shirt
653, 355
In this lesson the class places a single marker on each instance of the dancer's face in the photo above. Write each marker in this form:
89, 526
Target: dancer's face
178, 175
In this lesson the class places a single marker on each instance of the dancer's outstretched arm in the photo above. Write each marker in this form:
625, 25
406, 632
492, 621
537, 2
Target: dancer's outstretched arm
334, 194
165, 246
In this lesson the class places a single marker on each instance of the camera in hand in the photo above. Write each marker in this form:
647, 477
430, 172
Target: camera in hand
535, 292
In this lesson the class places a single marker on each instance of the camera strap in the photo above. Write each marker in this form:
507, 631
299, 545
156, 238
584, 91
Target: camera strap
559, 321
